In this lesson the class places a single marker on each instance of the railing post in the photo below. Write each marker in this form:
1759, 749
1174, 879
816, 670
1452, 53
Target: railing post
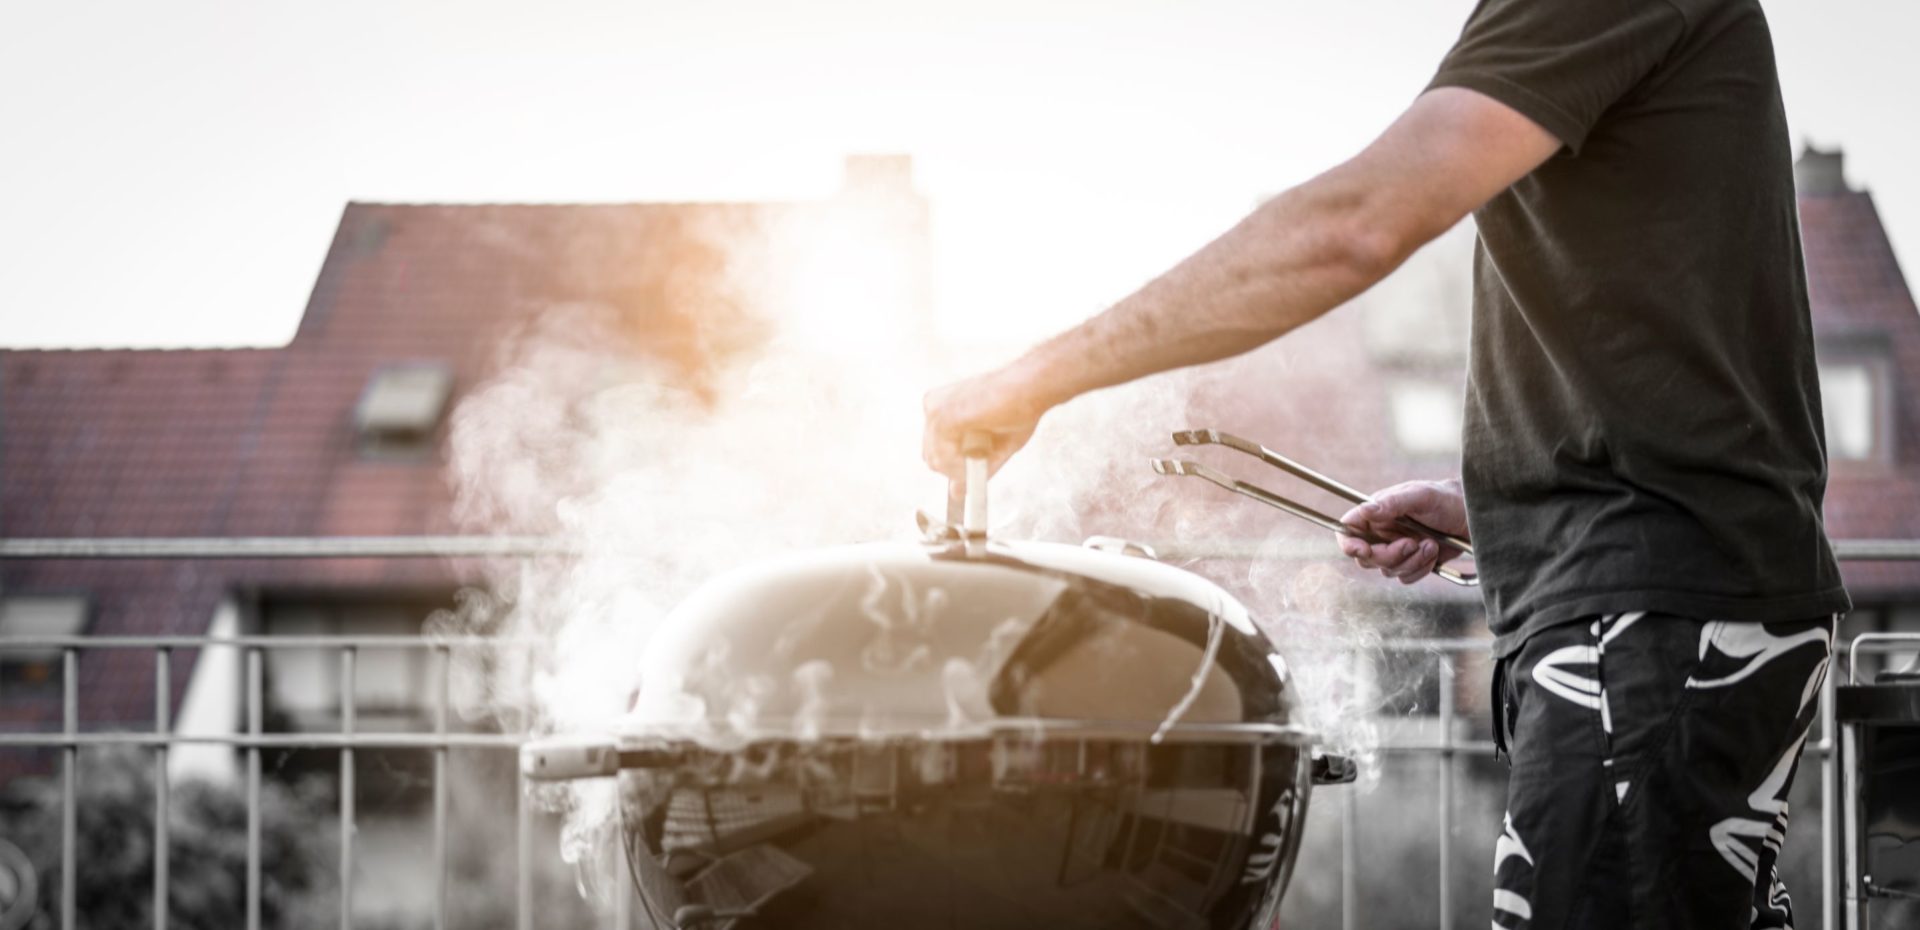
1446, 788
622, 904
444, 662
348, 702
69, 764
162, 726
1350, 822
1349, 862
1830, 890
1851, 906
523, 811
255, 717
523, 852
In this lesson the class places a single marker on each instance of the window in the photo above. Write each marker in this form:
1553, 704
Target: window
1422, 312
394, 690
401, 407
1427, 417
1849, 393
23, 616
393, 687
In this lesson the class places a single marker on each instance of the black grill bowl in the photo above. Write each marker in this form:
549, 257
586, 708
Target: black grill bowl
1062, 832
914, 736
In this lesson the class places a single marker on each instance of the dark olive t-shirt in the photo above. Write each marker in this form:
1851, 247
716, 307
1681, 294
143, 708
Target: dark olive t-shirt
1643, 427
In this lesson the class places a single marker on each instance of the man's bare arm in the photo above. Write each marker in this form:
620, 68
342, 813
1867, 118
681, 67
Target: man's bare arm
1294, 258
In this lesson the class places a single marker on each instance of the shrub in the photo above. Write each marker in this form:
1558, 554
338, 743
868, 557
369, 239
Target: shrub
207, 848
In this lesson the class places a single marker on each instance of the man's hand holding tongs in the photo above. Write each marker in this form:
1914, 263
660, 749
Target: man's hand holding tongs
1403, 553
1408, 532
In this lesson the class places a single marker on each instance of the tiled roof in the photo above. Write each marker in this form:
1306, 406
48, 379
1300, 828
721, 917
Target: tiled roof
262, 442
1860, 297
123, 443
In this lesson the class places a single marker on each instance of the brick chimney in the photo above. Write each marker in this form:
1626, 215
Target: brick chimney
1819, 171
879, 204
889, 175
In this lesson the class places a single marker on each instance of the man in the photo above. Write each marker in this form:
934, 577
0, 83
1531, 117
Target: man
1644, 456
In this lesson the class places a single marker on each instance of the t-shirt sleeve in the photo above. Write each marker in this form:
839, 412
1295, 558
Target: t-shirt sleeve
1561, 63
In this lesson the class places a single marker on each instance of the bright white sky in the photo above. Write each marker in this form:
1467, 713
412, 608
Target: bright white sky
172, 172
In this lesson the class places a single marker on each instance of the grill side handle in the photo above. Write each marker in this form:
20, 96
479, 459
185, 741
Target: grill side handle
567, 758
1334, 769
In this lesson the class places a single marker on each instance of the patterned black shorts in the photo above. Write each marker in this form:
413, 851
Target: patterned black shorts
1651, 757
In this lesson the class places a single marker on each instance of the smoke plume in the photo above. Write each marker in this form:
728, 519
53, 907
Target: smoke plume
658, 476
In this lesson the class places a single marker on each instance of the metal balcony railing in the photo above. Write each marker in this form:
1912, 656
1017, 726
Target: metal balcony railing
1445, 653
439, 741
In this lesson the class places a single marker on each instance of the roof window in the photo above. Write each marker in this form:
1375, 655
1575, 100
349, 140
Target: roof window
1853, 393
401, 408
36, 616
1427, 417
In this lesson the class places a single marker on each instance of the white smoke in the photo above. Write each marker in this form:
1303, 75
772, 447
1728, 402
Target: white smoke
659, 487
1086, 473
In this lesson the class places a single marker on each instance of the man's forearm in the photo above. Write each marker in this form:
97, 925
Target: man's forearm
1305, 252
1296, 257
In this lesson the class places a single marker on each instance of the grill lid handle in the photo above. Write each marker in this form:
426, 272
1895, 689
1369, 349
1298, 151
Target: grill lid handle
967, 498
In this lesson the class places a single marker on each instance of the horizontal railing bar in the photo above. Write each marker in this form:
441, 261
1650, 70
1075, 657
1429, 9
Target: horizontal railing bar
1846, 550
266, 642
1471, 644
284, 547
1404, 644
1435, 747
397, 641
1457, 644
54, 739
58, 740
1876, 550
430, 547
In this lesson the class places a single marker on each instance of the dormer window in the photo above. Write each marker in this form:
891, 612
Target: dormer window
401, 408
1853, 398
1427, 417
36, 616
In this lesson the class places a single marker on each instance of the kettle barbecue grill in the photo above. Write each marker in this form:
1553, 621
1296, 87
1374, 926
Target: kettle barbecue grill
960, 732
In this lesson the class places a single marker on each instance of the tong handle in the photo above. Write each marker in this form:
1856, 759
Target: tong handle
1195, 437
1195, 469
1421, 529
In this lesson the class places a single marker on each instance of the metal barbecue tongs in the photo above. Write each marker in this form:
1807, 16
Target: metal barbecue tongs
1202, 437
